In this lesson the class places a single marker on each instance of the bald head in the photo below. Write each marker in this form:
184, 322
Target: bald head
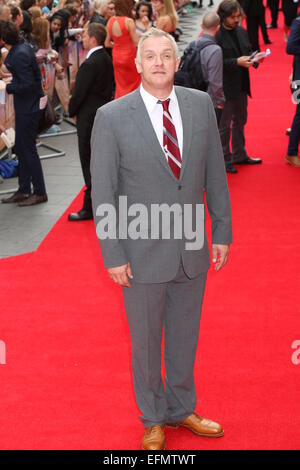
210, 23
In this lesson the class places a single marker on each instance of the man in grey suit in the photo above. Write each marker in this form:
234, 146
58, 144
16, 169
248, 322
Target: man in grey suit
159, 147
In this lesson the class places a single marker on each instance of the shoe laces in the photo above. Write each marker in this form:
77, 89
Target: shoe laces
198, 416
153, 429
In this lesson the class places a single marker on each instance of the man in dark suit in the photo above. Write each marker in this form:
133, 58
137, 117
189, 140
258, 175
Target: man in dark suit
93, 88
255, 14
27, 90
234, 42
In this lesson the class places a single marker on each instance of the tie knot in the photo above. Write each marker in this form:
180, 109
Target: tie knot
165, 104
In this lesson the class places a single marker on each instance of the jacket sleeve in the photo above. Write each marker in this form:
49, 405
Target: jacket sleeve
230, 64
293, 43
84, 80
105, 161
216, 188
215, 77
24, 80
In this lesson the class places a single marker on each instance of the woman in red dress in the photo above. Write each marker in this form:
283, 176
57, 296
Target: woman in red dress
123, 38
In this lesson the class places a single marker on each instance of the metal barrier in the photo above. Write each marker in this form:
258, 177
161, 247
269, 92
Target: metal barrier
7, 118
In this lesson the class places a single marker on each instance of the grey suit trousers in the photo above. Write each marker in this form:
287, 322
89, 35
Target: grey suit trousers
176, 307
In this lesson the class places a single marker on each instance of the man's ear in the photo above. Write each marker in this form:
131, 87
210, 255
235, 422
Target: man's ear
177, 63
138, 66
94, 41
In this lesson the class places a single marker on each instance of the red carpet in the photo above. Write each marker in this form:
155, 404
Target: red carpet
67, 382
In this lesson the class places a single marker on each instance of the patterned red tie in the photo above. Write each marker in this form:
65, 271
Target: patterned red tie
170, 141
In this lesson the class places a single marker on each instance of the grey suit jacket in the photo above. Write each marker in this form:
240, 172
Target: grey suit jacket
127, 160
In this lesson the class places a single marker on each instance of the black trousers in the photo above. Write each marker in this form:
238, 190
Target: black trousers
233, 120
252, 28
274, 8
262, 24
295, 134
84, 146
30, 168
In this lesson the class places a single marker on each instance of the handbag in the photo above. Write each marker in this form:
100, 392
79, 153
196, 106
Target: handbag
48, 117
9, 168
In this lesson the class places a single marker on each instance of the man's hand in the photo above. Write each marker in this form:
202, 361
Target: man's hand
244, 61
120, 274
145, 20
260, 61
220, 255
59, 71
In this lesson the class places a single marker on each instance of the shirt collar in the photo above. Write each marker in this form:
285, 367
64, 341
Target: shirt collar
93, 50
151, 101
208, 36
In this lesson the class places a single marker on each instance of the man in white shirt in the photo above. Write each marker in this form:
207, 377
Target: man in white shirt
155, 112
160, 146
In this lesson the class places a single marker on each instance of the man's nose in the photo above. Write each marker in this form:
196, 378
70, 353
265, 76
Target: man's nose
158, 60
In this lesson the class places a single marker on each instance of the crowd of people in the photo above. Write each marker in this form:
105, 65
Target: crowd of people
35, 30
40, 28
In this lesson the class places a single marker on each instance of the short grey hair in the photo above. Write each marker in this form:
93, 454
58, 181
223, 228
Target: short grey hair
99, 4
155, 33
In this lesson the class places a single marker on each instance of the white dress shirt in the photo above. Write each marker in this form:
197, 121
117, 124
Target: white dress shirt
93, 50
155, 111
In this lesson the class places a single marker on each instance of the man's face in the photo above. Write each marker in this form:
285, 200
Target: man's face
158, 63
231, 22
104, 9
19, 18
86, 40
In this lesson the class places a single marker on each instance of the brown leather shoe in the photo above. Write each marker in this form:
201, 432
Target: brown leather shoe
16, 197
200, 426
154, 438
293, 161
33, 200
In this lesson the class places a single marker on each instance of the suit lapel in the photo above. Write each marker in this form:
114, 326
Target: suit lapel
142, 120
